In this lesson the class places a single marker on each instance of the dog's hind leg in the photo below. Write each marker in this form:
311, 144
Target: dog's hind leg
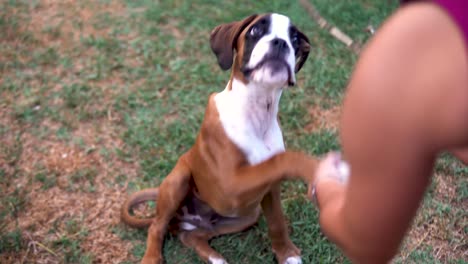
172, 192
198, 238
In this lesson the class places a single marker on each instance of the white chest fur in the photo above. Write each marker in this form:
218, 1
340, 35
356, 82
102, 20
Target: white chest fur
248, 114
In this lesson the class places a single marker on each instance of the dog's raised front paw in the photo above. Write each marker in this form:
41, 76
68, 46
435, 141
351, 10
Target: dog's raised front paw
293, 260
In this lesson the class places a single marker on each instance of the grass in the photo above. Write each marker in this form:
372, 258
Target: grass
100, 98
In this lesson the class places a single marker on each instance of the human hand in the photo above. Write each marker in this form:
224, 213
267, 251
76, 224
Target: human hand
331, 170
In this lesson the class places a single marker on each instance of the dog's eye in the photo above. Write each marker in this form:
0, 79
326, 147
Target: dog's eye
294, 36
294, 39
255, 31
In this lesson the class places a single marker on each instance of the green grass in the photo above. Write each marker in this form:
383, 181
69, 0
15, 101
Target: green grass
126, 86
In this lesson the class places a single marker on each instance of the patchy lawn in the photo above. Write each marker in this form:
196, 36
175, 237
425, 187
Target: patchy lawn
99, 98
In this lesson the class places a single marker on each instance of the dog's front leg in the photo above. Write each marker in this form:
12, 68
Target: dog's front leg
248, 181
172, 191
286, 252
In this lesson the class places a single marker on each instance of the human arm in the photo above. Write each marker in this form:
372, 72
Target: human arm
406, 102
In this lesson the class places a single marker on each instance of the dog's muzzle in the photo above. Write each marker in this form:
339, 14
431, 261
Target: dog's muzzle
275, 59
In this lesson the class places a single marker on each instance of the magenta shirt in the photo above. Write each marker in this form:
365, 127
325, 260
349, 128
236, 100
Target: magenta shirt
458, 10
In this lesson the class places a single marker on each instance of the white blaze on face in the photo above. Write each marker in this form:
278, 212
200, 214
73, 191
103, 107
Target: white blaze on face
279, 28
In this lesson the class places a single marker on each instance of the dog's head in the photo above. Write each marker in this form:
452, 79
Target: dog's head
263, 48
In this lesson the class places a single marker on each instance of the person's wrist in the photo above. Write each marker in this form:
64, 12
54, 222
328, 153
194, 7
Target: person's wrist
326, 191
331, 170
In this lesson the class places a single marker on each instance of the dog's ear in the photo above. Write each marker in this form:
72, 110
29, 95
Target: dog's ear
223, 40
303, 50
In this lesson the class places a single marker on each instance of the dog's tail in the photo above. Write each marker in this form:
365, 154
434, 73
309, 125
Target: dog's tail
150, 194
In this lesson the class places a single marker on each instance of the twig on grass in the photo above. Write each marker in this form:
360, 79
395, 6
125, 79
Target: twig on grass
334, 31
46, 248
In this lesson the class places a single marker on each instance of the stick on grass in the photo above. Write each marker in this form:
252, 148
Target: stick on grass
334, 31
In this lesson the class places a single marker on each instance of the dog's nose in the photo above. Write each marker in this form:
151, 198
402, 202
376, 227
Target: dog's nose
279, 44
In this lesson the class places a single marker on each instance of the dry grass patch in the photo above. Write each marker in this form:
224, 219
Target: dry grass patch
324, 119
440, 225
62, 24
86, 193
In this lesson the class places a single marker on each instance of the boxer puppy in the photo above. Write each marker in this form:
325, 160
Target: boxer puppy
234, 169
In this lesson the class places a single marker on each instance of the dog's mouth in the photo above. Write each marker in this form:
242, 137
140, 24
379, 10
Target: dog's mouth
276, 66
